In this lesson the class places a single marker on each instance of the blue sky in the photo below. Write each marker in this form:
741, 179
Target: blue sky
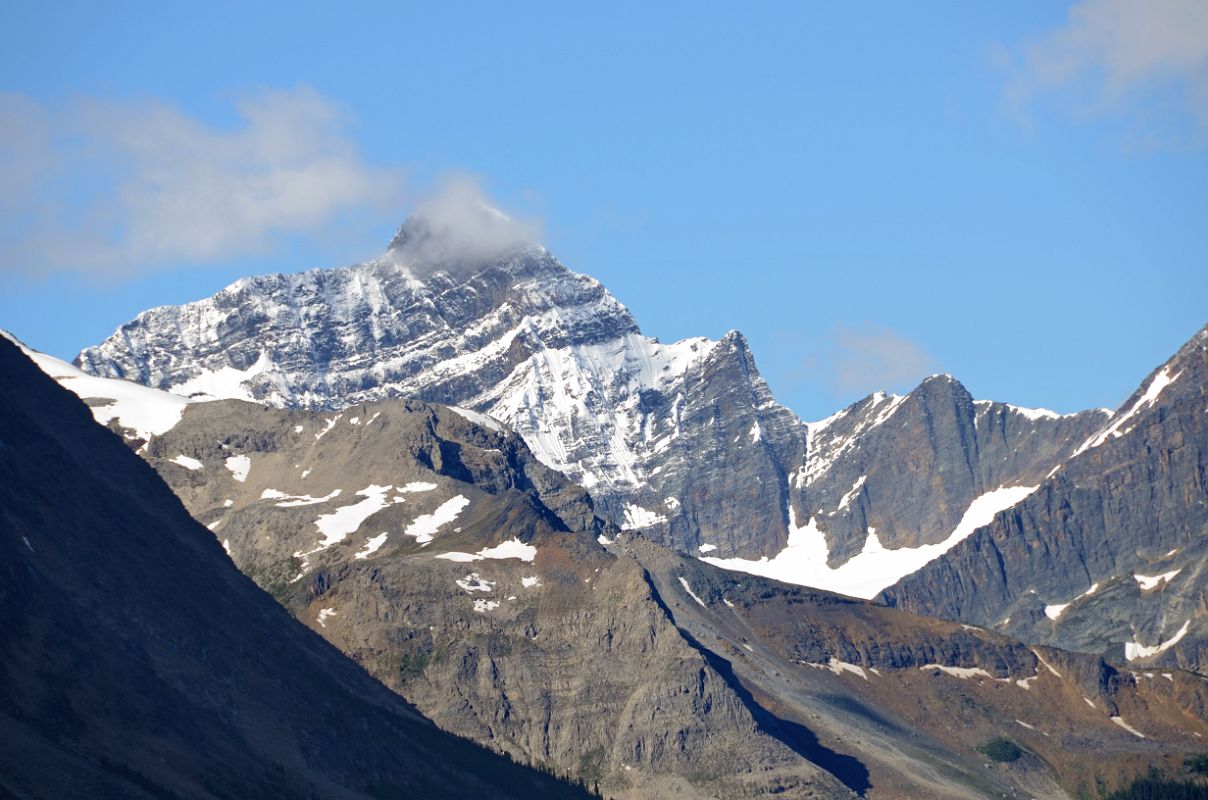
1014, 193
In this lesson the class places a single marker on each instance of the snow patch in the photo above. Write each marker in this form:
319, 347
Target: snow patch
295, 500
372, 545
1054, 611
239, 466
336, 526
475, 583
1148, 398
331, 423
224, 383
187, 463
684, 582
839, 667
707, 548
851, 494
513, 548
1150, 581
804, 560
1120, 721
1046, 664
424, 527
1133, 651
483, 606
477, 418
964, 673
324, 615
530, 583
637, 517
1034, 413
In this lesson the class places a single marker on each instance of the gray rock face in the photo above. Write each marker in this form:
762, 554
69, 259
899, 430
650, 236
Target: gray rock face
653, 674
908, 467
1112, 545
137, 662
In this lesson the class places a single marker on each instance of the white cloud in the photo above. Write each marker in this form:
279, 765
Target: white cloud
1115, 53
858, 361
456, 226
117, 188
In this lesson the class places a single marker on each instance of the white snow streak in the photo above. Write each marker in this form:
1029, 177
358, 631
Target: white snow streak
964, 673
684, 582
513, 548
372, 545
187, 462
1120, 721
1149, 581
637, 517
1133, 651
1150, 396
803, 560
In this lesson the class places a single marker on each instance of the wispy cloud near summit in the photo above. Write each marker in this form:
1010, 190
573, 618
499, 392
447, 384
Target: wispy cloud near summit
1116, 55
111, 188
457, 225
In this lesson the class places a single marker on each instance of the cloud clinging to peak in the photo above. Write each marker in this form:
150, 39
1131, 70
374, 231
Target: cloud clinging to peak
119, 188
457, 226
1113, 53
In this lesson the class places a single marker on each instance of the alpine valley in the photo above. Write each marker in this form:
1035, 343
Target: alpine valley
622, 561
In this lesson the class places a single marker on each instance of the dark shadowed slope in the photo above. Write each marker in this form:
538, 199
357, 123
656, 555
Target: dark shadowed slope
137, 662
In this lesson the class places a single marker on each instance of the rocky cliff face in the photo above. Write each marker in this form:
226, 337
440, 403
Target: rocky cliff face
1108, 555
136, 662
683, 440
440, 555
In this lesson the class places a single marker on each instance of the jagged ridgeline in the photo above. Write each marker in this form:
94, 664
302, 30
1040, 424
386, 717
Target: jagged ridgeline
684, 441
469, 470
429, 544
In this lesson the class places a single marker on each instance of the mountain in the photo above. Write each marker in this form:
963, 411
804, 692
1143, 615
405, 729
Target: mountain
435, 550
548, 352
137, 662
1109, 554
891, 482
684, 441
